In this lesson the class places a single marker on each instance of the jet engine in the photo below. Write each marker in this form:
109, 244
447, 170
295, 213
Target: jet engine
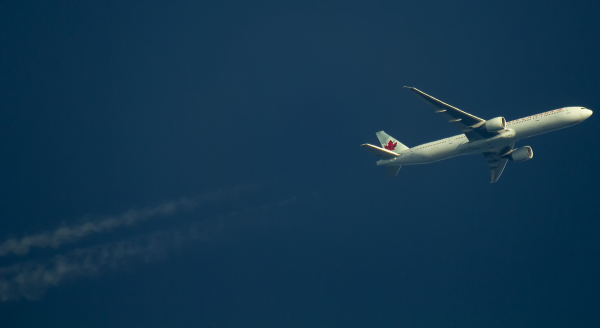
522, 154
495, 124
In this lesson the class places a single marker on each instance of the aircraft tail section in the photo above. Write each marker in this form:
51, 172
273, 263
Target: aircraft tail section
389, 143
390, 150
380, 152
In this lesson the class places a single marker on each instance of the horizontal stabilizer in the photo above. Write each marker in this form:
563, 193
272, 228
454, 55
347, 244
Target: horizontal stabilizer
382, 153
392, 171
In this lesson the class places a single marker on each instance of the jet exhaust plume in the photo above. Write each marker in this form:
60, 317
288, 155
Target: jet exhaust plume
31, 279
70, 234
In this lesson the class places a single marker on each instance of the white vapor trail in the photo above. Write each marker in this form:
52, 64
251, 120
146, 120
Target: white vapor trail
69, 234
31, 279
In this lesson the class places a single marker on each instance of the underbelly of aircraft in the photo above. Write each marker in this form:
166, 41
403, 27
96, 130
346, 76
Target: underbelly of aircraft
431, 155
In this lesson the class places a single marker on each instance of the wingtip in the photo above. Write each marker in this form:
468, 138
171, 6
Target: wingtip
368, 146
408, 87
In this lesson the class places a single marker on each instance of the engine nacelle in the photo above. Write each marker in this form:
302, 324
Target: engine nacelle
522, 154
495, 124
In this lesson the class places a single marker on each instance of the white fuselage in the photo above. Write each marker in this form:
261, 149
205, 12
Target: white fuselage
515, 130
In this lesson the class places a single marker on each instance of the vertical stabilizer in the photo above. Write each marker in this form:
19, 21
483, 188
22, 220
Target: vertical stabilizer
389, 143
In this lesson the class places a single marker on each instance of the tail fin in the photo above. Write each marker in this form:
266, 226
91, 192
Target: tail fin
389, 143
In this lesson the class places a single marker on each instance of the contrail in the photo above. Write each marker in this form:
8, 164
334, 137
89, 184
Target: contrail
31, 279
70, 234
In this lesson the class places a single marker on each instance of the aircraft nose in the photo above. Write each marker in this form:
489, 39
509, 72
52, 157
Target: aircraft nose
586, 112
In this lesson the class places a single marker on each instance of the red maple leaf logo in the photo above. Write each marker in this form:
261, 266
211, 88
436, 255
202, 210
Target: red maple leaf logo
390, 145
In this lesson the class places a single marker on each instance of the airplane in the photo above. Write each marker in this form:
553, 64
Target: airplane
495, 138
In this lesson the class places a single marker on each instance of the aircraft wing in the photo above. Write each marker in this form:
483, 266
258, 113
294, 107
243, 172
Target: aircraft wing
496, 162
470, 125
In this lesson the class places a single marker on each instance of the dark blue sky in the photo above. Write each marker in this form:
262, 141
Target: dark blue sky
112, 108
